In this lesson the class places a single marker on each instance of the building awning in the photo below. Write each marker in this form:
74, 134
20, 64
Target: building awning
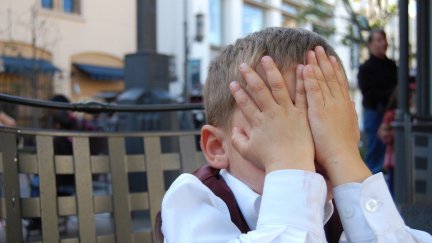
27, 65
101, 72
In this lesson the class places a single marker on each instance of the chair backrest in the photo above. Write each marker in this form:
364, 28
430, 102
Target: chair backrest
134, 182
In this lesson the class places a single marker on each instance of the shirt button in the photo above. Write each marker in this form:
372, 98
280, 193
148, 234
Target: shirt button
371, 205
348, 212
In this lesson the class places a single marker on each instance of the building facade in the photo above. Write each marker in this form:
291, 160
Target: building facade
84, 42
78, 46
223, 22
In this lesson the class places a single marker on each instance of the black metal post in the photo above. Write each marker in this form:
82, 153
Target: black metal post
423, 59
403, 168
146, 25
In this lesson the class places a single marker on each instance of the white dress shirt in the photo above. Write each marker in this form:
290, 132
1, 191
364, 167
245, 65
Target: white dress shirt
293, 208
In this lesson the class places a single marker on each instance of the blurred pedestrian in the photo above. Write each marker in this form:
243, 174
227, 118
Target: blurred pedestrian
6, 120
377, 78
386, 135
65, 184
386, 132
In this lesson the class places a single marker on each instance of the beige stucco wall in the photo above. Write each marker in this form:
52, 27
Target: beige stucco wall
104, 26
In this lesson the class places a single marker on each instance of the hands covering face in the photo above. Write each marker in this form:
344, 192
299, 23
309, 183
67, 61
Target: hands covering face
278, 136
321, 123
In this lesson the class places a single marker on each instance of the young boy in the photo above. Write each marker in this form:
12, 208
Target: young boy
269, 133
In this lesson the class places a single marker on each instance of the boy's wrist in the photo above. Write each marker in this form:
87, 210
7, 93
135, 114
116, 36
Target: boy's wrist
346, 169
300, 211
286, 165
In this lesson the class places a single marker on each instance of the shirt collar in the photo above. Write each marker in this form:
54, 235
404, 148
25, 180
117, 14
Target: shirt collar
249, 201
328, 211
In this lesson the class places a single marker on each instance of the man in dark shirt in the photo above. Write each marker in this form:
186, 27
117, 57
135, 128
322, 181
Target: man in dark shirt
377, 79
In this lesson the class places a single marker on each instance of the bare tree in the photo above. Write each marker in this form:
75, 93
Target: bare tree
40, 33
377, 14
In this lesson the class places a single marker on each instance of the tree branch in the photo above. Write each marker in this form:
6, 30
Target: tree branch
354, 19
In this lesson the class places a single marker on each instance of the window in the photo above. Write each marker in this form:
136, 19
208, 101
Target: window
70, 6
65, 6
47, 4
215, 22
289, 8
253, 19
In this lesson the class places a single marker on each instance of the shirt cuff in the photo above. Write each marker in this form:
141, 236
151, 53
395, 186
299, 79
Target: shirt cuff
367, 209
293, 198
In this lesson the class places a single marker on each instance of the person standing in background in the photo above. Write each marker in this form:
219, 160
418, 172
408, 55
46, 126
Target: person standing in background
377, 77
6, 120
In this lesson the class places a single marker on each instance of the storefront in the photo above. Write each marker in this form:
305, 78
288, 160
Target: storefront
27, 72
95, 73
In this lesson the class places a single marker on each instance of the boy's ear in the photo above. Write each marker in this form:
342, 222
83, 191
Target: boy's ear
212, 145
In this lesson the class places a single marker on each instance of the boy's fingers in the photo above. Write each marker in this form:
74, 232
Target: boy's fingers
276, 81
340, 75
243, 101
327, 70
354, 111
239, 140
356, 121
300, 98
311, 60
314, 95
256, 88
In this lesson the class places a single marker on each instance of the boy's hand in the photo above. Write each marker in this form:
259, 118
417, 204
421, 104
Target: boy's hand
333, 119
278, 134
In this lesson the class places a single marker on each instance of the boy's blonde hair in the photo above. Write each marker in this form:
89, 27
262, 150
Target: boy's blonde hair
287, 47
